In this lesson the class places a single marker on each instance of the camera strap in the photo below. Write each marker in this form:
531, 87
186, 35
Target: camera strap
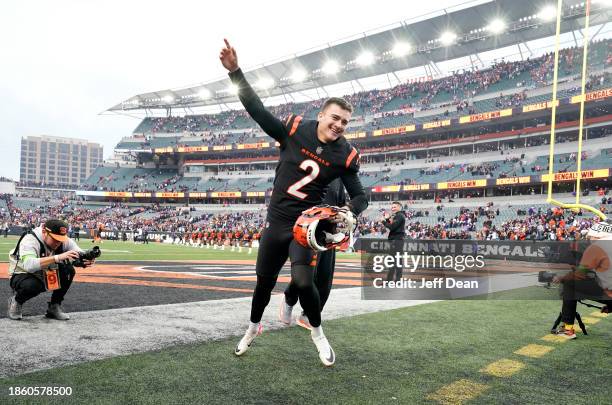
15, 256
42, 245
15, 252
43, 250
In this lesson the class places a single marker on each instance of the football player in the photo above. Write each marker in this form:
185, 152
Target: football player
312, 154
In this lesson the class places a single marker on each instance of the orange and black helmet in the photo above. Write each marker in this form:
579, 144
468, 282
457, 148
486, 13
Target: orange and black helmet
318, 228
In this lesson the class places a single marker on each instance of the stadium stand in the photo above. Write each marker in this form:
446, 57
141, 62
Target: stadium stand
505, 84
221, 187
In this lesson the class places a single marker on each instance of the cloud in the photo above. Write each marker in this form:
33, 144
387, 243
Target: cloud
67, 61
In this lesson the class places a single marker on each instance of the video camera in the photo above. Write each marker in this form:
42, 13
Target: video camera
90, 254
545, 277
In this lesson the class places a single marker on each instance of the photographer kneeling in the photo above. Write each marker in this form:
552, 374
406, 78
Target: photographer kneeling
592, 278
43, 260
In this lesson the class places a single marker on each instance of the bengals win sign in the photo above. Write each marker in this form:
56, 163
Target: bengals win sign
462, 184
586, 174
485, 116
513, 180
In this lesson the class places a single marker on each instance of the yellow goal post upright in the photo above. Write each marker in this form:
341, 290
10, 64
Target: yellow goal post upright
551, 161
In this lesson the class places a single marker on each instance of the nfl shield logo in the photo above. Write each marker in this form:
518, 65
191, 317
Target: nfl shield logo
319, 150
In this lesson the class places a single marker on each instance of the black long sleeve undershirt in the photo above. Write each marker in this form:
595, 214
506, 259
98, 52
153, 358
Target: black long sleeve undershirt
358, 200
254, 106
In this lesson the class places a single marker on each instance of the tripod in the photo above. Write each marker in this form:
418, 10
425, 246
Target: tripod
578, 318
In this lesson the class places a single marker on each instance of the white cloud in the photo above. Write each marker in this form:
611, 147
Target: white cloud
64, 62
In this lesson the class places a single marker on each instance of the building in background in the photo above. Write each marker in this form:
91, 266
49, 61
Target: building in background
53, 160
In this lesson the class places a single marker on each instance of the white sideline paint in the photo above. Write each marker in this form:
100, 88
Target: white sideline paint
37, 343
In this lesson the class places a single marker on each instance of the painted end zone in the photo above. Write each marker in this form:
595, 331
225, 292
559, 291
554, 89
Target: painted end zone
132, 284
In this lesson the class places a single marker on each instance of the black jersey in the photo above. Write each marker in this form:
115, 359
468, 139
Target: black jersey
306, 166
335, 194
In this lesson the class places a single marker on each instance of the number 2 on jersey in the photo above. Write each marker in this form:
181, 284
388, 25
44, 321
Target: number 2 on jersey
294, 189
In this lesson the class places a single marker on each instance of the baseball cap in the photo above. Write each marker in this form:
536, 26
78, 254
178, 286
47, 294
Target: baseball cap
57, 229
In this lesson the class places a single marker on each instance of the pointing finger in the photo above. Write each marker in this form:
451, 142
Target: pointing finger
227, 44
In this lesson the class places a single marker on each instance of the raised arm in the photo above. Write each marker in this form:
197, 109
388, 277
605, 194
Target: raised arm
249, 99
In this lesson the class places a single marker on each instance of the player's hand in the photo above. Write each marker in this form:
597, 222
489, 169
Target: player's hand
346, 219
69, 255
228, 57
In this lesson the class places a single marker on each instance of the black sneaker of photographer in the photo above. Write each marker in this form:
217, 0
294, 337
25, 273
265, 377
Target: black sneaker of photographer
55, 311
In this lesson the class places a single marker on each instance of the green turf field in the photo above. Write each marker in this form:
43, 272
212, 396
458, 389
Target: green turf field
403, 356
124, 251
432, 353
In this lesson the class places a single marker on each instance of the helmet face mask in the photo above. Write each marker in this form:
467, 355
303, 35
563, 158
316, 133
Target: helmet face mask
324, 231
322, 228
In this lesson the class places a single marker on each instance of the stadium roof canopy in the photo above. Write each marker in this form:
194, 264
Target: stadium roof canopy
465, 30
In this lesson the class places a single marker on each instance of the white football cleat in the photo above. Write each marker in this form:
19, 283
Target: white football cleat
285, 312
326, 353
246, 341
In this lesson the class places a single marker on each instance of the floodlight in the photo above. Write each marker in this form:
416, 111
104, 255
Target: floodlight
298, 75
497, 26
401, 49
447, 38
331, 67
548, 13
365, 59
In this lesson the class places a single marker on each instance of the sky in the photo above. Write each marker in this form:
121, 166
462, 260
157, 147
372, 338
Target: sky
64, 62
